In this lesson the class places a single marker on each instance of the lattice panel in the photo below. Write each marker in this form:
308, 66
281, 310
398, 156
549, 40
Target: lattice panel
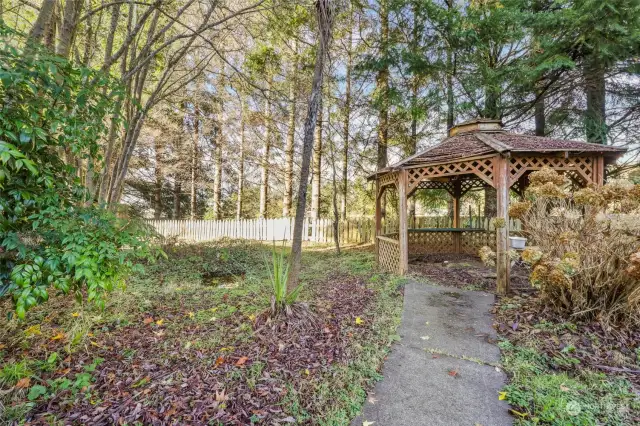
431, 242
388, 179
472, 241
465, 184
469, 184
582, 165
388, 255
433, 184
483, 168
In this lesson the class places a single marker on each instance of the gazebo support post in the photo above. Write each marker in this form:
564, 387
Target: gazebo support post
457, 192
598, 170
403, 224
378, 219
502, 233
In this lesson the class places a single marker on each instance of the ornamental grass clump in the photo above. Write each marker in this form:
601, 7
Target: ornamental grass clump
278, 274
286, 313
585, 253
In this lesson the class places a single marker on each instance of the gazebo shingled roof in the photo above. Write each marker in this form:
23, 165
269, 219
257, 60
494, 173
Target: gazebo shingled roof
477, 154
468, 140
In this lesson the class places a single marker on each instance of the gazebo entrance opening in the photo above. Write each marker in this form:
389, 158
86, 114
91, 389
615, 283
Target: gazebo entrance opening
477, 154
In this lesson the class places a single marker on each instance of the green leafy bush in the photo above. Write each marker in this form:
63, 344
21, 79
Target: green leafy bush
52, 117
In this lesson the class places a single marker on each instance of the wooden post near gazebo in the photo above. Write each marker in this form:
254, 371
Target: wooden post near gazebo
476, 155
403, 225
503, 264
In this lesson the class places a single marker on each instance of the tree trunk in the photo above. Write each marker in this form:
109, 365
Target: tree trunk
194, 160
45, 17
450, 69
291, 134
491, 104
159, 176
415, 42
177, 194
347, 117
336, 213
122, 165
324, 9
217, 178
89, 40
241, 166
539, 114
382, 83
113, 26
264, 178
68, 29
490, 202
51, 30
316, 177
595, 116
450, 100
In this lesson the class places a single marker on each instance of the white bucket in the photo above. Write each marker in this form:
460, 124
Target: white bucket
517, 242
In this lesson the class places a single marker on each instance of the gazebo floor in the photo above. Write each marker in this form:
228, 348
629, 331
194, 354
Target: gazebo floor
463, 271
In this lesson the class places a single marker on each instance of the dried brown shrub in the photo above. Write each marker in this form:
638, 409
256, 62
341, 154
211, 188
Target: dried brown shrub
544, 176
487, 255
586, 259
588, 197
547, 190
519, 209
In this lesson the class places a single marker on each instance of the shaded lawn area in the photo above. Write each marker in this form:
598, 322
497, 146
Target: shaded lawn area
181, 345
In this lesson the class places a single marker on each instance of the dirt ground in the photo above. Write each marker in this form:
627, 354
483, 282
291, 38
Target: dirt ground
464, 272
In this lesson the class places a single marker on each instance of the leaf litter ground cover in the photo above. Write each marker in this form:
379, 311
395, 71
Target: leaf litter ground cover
566, 373
462, 271
182, 346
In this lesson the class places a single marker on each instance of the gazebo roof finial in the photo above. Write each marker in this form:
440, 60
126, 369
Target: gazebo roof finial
489, 125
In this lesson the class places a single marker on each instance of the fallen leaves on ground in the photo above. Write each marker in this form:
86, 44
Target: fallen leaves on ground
23, 383
168, 376
59, 336
463, 271
525, 320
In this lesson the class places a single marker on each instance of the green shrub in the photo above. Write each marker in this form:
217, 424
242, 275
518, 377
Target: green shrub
52, 236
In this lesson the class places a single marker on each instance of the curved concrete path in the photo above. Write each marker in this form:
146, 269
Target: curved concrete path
443, 371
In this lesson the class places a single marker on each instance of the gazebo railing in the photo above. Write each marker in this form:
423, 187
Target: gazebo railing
432, 241
388, 247
449, 240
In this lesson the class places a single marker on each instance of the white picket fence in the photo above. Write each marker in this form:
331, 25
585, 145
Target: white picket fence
351, 231
317, 230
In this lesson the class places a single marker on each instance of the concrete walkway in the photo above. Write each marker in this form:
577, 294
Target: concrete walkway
440, 373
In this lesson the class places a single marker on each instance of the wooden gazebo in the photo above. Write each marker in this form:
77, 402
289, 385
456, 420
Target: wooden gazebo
477, 154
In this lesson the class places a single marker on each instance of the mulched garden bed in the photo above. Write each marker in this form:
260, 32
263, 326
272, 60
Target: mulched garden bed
525, 320
463, 271
153, 372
